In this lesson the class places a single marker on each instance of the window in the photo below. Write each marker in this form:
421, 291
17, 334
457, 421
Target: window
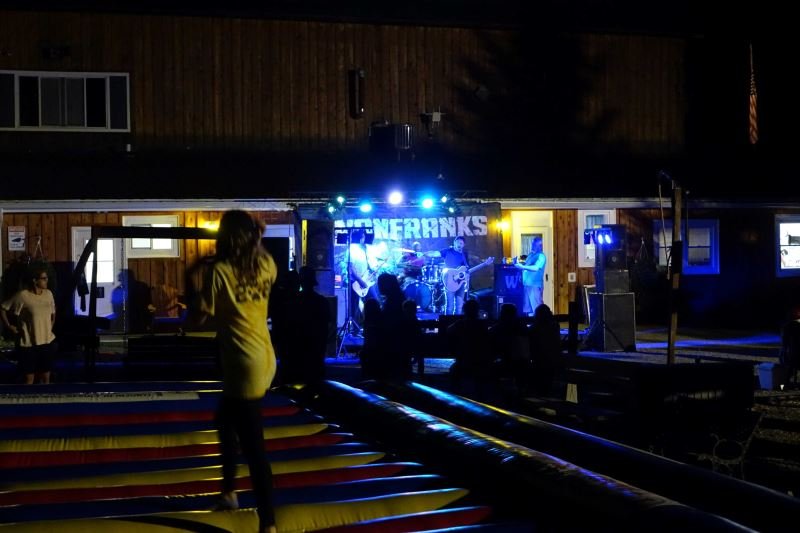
64, 101
700, 245
105, 262
135, 248
787, 245
588, 220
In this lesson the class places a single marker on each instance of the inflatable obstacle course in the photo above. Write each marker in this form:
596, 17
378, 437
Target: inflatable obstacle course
143, 457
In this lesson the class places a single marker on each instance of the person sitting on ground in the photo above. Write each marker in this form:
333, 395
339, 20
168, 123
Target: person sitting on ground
370, 351
511, 346
393, 360
468, 341
306, 333
545, 341
414, 335
790, 346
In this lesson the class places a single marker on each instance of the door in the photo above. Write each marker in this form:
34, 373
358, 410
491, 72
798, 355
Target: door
527, 225
110, 254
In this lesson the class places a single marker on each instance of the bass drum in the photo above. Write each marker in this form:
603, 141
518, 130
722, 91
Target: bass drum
420, 293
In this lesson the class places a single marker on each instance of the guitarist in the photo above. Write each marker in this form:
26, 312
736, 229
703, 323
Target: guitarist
454, 257
363, 275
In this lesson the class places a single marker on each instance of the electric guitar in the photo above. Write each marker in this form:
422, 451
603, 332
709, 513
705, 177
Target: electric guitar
370, 278
454, 278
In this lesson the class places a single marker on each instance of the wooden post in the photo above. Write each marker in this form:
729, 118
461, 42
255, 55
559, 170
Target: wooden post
675, 266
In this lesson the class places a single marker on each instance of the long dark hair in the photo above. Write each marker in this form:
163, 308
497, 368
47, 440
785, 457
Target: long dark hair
239, 241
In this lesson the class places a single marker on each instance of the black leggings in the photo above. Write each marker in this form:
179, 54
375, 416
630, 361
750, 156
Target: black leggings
242, 419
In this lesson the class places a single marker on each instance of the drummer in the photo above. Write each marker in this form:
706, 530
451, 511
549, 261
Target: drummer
411, 264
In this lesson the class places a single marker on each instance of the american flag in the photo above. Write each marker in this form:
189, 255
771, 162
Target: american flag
752, 124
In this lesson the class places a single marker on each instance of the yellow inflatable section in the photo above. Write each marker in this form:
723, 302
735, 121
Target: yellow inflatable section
289, 518
195, 474
145, 441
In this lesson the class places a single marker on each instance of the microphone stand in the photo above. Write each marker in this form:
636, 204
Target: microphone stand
349, 326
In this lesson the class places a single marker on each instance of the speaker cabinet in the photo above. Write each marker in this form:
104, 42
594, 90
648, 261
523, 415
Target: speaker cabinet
613, 327
516, 299
612, 281
614, 260
319, 244
508, 287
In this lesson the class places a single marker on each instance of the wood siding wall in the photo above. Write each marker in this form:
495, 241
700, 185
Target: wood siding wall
54, 232
245, 84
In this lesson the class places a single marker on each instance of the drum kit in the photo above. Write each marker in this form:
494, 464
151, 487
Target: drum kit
426, 289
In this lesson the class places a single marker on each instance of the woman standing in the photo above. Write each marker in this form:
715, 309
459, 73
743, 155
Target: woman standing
235, 293
35, 310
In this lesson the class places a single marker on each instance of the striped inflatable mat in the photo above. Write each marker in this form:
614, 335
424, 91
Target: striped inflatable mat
144, 457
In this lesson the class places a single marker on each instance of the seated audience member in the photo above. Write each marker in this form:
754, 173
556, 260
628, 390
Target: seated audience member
545, 340
510, 346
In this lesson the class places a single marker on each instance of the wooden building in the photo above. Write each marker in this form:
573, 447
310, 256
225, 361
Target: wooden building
106, 116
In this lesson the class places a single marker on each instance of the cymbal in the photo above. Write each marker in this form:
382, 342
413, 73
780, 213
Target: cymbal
404, 250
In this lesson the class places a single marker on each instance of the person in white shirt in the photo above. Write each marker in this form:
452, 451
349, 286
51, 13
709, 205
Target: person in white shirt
34, 310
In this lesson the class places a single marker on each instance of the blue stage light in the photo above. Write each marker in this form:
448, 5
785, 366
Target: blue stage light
395, 197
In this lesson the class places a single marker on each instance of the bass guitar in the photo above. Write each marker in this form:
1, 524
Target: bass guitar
370, 278
454, 278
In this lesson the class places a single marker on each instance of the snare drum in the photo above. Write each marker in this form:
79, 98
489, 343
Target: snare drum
420, 293
431, 274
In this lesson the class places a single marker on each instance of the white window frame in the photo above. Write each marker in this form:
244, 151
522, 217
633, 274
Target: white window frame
586, 252
712, 225
136, 248
73, 75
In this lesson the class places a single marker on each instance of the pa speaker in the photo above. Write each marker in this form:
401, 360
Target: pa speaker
614, 260
612, 281
319, 244
613, 327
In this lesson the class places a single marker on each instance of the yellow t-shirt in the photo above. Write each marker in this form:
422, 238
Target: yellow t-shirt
240, 311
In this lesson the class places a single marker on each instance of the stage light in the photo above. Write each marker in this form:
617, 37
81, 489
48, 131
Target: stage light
331, 209
365, 207
395, 197
340, 200
444, 199
451, 209
503, 225
427, 202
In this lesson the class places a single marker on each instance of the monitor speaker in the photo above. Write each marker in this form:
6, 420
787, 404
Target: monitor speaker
516, 299
613, 327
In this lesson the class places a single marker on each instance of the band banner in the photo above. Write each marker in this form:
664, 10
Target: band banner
397, 229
